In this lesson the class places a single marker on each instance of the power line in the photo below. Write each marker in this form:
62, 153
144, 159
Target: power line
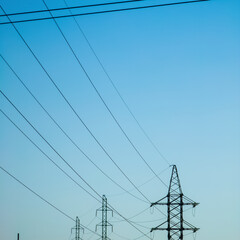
122, 237
101, 98
137, 214
50, 159
140, 225
43, 199
125, 219
114, 86
149, 180
102, 12
135, 222
49, 144
74, 111
178, 3
36, 194
150, 221
50, 78
68, 163
61, 129
138, 237
118, 220
73, 7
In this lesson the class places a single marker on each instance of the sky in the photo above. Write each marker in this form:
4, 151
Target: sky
177, 68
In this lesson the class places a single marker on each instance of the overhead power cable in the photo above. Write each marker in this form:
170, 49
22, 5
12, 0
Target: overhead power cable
61, 129
137, 214
36, 194
138, 237
126, 219
74, 111
122, 237
73, 7
68, 163
115, 87
50, 159
120, 220
126, 238
150, 221
101, 98
60, 92
43, 199
134, 222
140, 225
101, 12
139, 186
49, 144
82, 123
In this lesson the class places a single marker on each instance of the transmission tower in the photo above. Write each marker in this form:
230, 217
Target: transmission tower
104, 224
77, 229
175, 224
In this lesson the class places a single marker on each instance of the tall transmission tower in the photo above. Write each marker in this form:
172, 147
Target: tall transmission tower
175, 224
77, 229
104, 224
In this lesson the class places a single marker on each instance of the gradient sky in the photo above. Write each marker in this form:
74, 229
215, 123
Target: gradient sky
177, 67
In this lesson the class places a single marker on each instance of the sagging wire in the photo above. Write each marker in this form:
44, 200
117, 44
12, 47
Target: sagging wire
139, 186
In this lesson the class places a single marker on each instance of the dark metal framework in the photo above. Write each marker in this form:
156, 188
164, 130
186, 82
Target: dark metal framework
104, 224
175, 202
77, 229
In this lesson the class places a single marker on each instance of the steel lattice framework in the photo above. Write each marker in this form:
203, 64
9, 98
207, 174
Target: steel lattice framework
175, 224
77, 229
104, 224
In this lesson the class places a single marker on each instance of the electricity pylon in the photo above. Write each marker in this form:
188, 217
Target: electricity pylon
77, 229
104, 224
175, 202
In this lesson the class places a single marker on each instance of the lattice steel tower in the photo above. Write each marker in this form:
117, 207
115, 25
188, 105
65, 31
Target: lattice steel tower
104, 224
77, 229
175, 224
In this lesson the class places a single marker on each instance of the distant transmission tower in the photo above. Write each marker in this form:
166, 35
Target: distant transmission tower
77, 229
175, 224
104, 224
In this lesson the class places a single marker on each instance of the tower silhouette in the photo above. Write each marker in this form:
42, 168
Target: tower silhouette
104, 224
77, 229
175, 224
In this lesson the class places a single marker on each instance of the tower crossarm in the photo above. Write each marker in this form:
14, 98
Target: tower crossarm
156, 228
176, 229
189, 201
192, 229
103, 225
159, 202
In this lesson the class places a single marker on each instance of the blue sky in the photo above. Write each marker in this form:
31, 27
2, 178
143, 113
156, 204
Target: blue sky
177, 68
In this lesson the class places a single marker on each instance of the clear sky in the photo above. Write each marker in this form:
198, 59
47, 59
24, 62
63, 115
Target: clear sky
177, 67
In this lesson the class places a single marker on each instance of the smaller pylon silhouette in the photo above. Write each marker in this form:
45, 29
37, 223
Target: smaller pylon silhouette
175, 202
104, 224
77, 229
